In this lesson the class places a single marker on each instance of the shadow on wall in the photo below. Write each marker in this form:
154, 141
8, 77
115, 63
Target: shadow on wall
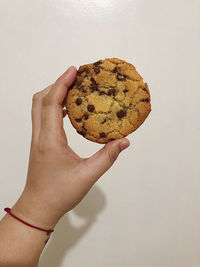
66, 235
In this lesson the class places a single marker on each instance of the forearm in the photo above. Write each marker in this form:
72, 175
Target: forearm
20, 245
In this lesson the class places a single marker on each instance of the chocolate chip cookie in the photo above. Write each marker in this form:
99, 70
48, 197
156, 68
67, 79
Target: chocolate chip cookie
108, 100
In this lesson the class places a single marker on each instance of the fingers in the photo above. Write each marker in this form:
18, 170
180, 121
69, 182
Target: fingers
47, 111
102, 160
60, 87
52, 112
36, 112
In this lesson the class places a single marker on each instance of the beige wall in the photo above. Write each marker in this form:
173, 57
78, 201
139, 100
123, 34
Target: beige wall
145, 211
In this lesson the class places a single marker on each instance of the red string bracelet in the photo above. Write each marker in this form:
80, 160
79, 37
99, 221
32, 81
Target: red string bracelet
8, 210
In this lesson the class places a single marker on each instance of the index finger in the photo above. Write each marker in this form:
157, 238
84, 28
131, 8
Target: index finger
52, 115
60, 87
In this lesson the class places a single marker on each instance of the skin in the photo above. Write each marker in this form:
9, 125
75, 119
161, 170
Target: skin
57, 177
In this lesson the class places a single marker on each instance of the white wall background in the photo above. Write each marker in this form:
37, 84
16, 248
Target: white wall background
145, 212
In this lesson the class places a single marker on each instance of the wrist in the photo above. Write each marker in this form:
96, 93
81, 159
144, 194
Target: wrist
35, 212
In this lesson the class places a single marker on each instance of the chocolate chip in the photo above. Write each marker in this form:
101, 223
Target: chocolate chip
78, 82
102, 93
86, 116
103, 121
145, 100
115, 70
79, 72
82, 89
93, 81
121, 113
78, 101
102, 135
94, 87
145, 89
96, 70
120, 77
111, 139
78, 120
125, 90
90, 108
112, 92
97, 63
83, 132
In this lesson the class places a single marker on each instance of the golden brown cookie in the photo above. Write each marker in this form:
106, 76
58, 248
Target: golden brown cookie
108, 100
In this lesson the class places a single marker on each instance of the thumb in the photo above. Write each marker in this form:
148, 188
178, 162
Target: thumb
103, 159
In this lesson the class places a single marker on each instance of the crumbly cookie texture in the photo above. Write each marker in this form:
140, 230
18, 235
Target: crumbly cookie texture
108, 100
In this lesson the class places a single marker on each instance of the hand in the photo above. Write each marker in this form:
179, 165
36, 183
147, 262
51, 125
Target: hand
57, 177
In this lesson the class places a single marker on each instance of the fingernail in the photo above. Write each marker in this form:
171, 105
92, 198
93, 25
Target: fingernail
124, 144
70, 69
